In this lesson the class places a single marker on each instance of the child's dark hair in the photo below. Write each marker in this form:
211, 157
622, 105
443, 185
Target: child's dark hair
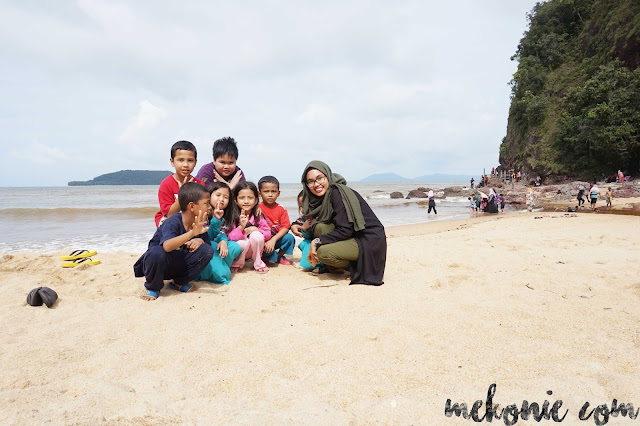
190, 192
185, 146
224, 146
228, 211
268, 179
236, 209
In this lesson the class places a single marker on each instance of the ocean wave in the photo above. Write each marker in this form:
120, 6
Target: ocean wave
65, 213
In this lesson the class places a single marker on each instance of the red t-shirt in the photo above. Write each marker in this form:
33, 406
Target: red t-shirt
168, 194
277, 217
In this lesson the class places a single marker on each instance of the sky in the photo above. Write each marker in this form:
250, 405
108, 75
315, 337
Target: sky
409, 87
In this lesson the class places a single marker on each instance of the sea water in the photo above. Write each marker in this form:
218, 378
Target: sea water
121, 218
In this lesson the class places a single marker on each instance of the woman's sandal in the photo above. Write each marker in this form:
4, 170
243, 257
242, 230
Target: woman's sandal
263, 270
184, 288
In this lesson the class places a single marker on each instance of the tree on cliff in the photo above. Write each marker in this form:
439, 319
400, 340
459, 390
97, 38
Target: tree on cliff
575, 106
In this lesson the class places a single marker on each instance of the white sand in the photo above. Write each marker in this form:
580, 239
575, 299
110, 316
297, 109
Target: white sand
529, 304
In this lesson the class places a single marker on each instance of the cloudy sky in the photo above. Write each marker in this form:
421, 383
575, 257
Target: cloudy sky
412, 87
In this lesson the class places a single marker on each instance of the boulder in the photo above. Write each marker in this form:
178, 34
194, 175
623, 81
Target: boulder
454, 190
423, 189
396, 194
414, 193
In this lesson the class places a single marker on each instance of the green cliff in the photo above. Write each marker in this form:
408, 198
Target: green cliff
575, 98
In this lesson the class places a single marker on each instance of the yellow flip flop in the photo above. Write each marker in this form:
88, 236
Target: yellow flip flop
77, 262
78, 254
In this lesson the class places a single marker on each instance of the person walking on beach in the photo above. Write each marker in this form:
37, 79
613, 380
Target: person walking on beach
502, 203
432, 203
593, 193
609, 198
580, 194
472, 183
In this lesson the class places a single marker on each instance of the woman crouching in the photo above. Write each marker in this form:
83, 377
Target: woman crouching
348, 234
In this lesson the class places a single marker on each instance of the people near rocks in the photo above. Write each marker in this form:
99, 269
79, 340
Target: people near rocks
502, 203
594, 192
580, 196
538, 180
530, 200
432, 202
472, 180
620, 176
348, 235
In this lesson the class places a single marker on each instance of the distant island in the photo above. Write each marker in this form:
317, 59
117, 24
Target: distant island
436, 177
126, 177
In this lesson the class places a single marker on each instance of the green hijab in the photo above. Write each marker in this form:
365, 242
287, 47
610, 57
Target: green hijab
320, 208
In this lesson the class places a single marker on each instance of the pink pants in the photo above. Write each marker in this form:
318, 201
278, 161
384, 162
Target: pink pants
251, 247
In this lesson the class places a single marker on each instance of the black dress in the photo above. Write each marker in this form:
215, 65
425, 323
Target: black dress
372, 241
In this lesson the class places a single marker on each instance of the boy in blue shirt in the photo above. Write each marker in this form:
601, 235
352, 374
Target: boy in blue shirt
180, 248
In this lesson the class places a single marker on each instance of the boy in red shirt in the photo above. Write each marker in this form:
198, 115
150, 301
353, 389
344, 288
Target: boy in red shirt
184, 157
281, 241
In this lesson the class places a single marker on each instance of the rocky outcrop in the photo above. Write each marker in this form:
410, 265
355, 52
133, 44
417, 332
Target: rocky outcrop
396, 194
414, 193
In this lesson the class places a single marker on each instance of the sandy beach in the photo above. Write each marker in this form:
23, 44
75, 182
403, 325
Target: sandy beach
532, 305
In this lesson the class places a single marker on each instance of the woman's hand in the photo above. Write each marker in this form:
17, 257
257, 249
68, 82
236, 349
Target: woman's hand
223, 249
250, 229
312, 257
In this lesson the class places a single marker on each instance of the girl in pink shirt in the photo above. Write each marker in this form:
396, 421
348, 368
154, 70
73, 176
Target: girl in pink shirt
250, 229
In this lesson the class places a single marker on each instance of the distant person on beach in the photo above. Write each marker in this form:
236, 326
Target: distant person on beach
432, 203
250, 228
180, 248
593, 193
530, 200
620, 176
502, 203
184, 157
348, 233
609, 198
580, 195
223, 168
472, 204
472, 183
281, 242
218, 271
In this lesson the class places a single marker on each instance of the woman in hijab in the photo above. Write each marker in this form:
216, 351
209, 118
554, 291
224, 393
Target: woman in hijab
348, 233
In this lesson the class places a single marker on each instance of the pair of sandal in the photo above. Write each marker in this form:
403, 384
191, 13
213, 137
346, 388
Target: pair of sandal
153, 294
78, 257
